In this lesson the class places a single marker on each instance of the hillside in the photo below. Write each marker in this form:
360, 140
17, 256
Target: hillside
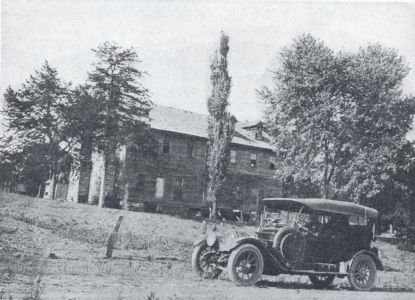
55, 250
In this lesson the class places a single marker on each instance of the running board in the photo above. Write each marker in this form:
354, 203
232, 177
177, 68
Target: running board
310, 272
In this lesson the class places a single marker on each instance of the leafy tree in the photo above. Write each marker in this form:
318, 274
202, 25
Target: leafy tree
124, 105
27, 165
219, 129
36, 117
396, 201
379, 118
338, 119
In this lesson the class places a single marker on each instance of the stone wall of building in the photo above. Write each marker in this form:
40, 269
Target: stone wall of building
177, 175
249, 180
176, 178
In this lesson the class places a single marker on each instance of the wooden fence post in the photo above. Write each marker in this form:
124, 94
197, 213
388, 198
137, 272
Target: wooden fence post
113, 237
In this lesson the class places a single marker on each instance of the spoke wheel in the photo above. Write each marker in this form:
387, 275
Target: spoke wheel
362, 273
321, 281
203, 261
245, 265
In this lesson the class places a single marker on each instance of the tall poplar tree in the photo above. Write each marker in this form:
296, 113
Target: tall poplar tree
219, 129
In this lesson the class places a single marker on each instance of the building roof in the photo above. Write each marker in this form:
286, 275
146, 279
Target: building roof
195, 124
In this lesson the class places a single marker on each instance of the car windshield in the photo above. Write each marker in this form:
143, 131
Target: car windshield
281, 217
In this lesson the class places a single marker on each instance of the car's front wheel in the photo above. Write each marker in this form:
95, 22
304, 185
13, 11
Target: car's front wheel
245, 265
203, 261
362, 273
321, 281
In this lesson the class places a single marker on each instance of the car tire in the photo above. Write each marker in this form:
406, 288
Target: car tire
245, 260
321, 281
206, 270
362, 273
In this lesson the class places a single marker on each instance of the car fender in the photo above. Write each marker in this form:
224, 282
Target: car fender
372, 254
272, 265
230, 243
199, 241
251, 240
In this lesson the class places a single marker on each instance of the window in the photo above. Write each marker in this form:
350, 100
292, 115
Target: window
140, 181
166, 146
159, 187
178, 189
272, 163
253, 160
357, 220
233, 156
189, 149
258, 133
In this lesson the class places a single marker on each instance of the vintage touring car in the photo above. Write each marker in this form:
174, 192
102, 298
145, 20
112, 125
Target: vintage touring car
316, 237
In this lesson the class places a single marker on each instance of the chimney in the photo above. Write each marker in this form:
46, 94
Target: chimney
232, 121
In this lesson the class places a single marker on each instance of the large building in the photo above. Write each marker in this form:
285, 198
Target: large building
177, 174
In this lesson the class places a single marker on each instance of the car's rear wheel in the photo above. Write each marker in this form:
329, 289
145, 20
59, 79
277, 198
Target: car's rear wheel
362, 273
321, 281
203, 261
245, 265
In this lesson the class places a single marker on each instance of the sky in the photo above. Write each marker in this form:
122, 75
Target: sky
176, 39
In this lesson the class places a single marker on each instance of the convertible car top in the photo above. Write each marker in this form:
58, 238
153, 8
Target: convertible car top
323, 205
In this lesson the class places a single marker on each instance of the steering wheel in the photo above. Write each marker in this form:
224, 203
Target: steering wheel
301, 225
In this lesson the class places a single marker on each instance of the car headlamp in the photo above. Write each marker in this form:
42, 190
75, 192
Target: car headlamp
211, 239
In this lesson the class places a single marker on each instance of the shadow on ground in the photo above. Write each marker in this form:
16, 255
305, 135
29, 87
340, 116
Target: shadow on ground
308, 286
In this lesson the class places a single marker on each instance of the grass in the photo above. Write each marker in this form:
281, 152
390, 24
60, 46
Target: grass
161, 235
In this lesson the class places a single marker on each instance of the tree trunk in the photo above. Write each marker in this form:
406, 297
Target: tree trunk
107, 193
54, 178
411, 229
214, 208
39, 191
85, 171
326, 190
53, 188
326, 180
211, 197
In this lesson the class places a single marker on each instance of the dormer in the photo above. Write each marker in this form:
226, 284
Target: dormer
257, 130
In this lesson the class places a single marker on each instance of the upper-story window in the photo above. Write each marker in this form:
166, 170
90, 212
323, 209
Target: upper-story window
189, 149
233, 156
166, 145
253, 160
272, 163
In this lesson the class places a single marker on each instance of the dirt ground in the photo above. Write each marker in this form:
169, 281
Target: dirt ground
56, 249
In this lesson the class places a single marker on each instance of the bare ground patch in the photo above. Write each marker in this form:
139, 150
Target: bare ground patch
151, 259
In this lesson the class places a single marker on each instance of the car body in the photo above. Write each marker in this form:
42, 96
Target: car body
320, 238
